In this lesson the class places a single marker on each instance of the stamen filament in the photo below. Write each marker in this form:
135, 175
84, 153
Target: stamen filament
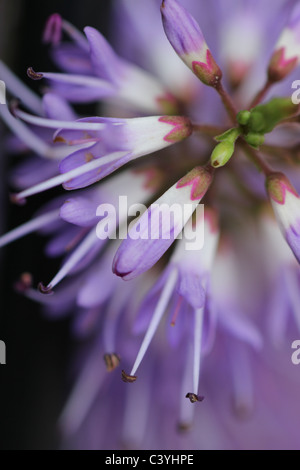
65, 177
81, 80
197, 348
242, 380
34, 142
75, 257
29, 227
56, 124
24, 133
88, 385
175, 315
155, 320
21, 91
186, 411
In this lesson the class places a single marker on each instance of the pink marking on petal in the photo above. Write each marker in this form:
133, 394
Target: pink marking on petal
279, 66
182, 128
200, 179
277, 185
208, 72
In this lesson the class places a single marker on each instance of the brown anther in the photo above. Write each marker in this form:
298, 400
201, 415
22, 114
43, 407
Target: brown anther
128, 378
111, 361
59, 139
34, 75
193, 397
16, 200
45, 289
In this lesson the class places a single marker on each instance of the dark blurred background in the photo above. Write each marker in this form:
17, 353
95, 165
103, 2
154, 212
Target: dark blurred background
34, 383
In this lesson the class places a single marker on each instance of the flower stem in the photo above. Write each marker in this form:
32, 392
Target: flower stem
257, 159
227, 101
208, 130
261, 94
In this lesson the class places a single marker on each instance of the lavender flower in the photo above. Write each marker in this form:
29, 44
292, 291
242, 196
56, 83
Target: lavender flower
193, 332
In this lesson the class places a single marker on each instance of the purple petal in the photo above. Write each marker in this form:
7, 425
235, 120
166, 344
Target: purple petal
79, 211
33, 171
92, 176
58, 245
82, 94
240, 327
105, 62
181, 28
97, 285
85, 322
293, 238
190, 287
56, 107
70, 58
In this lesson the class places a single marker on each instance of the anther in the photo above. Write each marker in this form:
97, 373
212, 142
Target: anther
128, 378
193, 397
112, 361
34, 75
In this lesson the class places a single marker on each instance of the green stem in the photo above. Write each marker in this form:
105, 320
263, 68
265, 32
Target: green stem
227, 101
208, 130
256, 158
261, 94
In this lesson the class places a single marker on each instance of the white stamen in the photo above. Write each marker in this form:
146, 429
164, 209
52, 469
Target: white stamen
65, 177
56, 124
113, 313
83, 395
157, 316
21, 91
34, 142
197, 348
61, 295
29, 227
242, 380
137, 398
25, 134
75, 257
186, 411
81, 80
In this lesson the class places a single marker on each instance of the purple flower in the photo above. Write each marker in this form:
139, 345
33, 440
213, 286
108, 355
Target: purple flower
286, 205
188, 41
211, 305
286, 55
161, 224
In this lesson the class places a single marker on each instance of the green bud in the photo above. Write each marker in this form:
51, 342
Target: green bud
265, 117
254, 139
221, 154
243, 117
229, 136
257, 122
